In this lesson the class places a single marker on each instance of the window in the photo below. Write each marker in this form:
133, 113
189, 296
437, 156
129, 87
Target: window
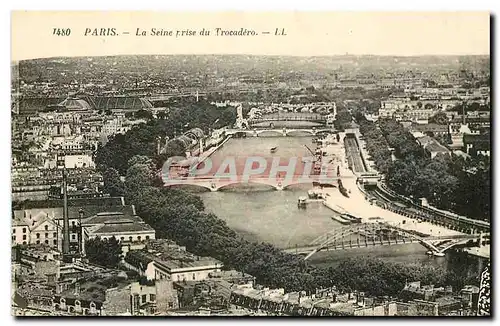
54, 235
13, 238
143, 298
170, 304
73, 237
24, 242
24, 230
130, 238
139, 238
55, 242
46, 241
122, 238
38, 235
13, 231
194, 276
147, 237
37, 241
152, 297
46, 235
73, 223
24, 236
46, 227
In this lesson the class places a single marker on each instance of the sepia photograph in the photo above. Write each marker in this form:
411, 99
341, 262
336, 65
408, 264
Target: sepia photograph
249, 164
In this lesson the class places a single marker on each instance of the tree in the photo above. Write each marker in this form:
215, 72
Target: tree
174, 148
143, 114
439, 118
139, 176
113, 185
105, 252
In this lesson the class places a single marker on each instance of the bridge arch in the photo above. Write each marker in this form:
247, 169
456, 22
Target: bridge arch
300, 132
227, 185
329, 238
323, 131
273, 132
200, 186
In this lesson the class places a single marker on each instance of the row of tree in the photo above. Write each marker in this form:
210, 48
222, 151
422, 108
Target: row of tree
143, 139
449, 182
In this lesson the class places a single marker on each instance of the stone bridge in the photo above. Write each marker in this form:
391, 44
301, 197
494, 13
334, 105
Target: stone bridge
280, 132
216, 184
290, 117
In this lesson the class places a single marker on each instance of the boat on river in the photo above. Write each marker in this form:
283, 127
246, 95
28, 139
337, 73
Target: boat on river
315, 194
302, 202
351, 218
274, 149
340, 219
436, 254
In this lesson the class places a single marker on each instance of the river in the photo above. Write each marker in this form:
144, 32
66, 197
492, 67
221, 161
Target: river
261, 214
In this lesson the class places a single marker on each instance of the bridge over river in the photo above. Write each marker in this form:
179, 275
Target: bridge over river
284, 132
214, 183
382, 234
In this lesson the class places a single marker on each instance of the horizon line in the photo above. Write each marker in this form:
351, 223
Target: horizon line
267, 55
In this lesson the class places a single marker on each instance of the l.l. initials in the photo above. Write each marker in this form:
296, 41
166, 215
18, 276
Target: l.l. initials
279, 32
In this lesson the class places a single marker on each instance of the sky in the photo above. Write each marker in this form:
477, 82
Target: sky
308, 33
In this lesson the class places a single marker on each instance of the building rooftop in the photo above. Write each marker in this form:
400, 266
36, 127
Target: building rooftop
123, 226
434, 146
476, 139
186, 261
94, 289
430, 127
168, 254
78, 202
111, 217
424, 140
17, 221
232, 276
447, 300
34, 289
90, 215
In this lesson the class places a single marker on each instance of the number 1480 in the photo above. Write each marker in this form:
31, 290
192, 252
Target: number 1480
61, 31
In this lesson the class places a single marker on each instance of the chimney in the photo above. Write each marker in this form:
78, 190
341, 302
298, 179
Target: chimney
65, 219
77, 288
80, 231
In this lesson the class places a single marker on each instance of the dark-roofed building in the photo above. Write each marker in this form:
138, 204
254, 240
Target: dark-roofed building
234, 277
75, 104
125, 227
477, 144
87, 297
35, 294
44, 225
126, 230
79, 202
121, 103
162, 259
431, 128
432, 147
208, 294
30, 105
